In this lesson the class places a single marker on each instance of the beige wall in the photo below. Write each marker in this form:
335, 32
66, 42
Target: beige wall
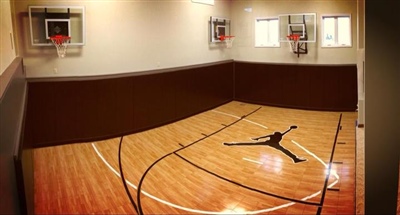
361, 23
243, 28
140, 35
128, 36
7, 47
7, 44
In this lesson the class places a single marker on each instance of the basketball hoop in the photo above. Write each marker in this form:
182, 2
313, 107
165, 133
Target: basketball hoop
228, 40
61, 43
293, 40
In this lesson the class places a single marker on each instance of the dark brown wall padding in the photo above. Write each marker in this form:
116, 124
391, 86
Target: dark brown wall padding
72, 111
16, 163
316, 87
68, 111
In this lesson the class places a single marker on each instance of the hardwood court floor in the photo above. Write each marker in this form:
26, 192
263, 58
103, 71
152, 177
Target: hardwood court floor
184, 168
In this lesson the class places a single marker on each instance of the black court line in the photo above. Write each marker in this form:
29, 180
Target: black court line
339, 127
341, 142
158, 160
181, 145
337, 162
247, 187
123, 177
333, 189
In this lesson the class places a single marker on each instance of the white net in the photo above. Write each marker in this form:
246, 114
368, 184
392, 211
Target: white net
228, 40
293, 42
61, 43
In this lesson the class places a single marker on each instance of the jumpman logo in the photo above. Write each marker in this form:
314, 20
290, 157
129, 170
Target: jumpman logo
274, 142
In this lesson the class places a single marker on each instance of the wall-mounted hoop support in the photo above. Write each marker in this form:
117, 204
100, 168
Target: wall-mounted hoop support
298, 30
61, 43
228, 40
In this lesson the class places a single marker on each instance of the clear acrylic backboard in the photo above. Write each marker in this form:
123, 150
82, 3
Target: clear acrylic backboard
47, 21
303, 24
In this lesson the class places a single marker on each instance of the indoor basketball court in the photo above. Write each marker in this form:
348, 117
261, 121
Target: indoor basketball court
192, 107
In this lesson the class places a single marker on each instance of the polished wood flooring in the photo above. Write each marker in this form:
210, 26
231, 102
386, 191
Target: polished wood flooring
184, 167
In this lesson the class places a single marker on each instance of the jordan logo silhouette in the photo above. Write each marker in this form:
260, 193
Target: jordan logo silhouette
274, 142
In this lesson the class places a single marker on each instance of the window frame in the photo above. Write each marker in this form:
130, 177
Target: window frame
336, 44
270, 44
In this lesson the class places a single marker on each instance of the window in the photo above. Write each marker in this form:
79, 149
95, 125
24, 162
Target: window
336, 31
267, 32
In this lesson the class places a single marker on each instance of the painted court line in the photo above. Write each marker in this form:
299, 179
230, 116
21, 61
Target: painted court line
227, 114
321, 161
253, 161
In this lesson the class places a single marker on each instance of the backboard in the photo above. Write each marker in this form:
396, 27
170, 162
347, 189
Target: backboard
303, 24
219, 27
48, 21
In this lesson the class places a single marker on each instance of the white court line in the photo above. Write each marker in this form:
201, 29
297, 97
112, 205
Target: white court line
239, 118
213, 212
226, 114
253, 161
321, 161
